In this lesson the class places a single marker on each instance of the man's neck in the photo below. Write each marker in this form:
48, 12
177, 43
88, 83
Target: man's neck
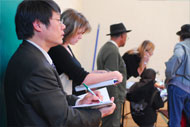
41, 44
116, 42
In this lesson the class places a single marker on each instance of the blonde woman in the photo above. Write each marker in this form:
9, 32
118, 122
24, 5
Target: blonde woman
65, 61
137, 59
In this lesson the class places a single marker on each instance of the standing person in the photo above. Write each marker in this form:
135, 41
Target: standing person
33, 91
178, 78
137, 59
109, 58
65, 61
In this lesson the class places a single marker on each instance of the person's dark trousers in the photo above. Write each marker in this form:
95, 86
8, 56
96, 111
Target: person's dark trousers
178, 100
113, 120
188, 123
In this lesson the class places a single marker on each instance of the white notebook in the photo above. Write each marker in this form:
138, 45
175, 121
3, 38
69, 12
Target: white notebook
97, 85
105, 102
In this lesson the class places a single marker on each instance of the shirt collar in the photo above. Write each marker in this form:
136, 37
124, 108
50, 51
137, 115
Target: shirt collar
43, 51
113, 43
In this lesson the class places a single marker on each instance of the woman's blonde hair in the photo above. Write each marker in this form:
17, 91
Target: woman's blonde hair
73, 21
146, 45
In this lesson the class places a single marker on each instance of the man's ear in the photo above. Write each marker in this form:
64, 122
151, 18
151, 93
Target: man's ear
37, 25
122, 35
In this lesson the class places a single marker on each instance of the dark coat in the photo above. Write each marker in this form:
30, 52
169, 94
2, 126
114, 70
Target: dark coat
34, 94
145, 90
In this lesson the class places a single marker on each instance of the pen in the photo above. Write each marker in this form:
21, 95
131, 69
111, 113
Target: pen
115, 80
91, 91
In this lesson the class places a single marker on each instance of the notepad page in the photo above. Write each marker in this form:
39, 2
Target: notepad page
103, 92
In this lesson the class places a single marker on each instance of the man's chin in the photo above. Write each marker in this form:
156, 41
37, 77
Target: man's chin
57, 43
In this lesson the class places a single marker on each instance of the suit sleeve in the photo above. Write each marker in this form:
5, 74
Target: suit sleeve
49, 100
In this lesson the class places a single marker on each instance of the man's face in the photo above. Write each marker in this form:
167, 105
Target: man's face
123, 41
53, 34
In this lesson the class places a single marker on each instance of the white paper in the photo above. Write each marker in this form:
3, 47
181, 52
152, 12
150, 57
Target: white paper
95, 105
103, 92
129, 84
105, 102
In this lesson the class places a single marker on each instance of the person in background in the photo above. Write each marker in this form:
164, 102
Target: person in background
178, 78
66, 62
33, 91
137, 59
145, 99
109, 58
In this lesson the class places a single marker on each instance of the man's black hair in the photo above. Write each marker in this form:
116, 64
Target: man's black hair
30, 10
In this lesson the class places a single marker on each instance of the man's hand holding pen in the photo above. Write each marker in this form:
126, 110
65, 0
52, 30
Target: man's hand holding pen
90, 98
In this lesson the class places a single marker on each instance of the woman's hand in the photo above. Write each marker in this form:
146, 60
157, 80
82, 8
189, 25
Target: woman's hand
146, 57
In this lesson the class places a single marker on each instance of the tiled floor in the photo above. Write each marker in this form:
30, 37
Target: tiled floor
128, 121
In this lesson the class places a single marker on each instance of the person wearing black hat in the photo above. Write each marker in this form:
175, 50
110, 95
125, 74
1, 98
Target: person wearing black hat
178, 78
109, 58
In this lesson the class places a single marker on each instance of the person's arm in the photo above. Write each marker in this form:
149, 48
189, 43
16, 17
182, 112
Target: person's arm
157, 85
141, 68
89, 98
174, 62
65, 63
143, 62
43, 91
93, 78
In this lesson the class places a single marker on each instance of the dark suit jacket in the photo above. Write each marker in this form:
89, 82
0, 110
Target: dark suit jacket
34, 94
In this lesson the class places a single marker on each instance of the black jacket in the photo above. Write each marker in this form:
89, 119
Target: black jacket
145, 90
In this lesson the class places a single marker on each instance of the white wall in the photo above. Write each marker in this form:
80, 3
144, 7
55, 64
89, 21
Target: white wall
156, 20
64, 4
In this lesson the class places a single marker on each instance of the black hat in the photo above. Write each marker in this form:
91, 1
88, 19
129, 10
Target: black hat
185, 30
118, 28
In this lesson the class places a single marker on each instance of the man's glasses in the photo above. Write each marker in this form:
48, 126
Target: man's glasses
59, 20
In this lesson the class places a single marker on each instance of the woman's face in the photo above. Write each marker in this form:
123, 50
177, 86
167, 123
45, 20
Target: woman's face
77, 36
150, 51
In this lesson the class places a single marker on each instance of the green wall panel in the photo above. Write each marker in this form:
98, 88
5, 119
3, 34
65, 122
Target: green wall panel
8, 45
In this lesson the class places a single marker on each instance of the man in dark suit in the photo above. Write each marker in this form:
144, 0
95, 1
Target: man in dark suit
33, 90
